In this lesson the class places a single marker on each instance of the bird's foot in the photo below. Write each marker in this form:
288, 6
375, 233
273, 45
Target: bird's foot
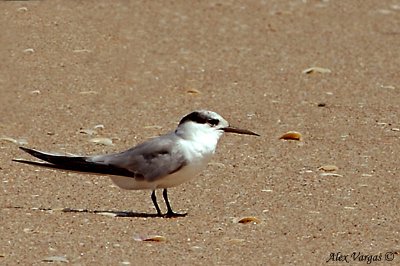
172, 214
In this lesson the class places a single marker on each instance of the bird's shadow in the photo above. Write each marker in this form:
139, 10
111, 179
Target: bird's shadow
104, 212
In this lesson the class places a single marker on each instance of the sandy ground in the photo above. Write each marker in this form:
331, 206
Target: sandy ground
136, 67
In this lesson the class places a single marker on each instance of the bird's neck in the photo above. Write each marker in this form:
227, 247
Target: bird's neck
199, 146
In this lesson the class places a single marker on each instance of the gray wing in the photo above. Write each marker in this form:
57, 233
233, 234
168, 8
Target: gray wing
150, 160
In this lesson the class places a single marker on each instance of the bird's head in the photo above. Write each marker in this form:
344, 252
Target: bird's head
207, 124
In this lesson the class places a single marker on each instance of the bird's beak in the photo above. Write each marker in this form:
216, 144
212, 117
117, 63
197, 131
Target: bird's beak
239, 131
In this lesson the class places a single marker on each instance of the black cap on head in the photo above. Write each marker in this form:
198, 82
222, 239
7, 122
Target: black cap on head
197, 117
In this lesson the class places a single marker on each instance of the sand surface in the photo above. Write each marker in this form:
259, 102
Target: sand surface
136, 67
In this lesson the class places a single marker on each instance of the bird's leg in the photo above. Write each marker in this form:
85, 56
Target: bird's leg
154, 199
170, 213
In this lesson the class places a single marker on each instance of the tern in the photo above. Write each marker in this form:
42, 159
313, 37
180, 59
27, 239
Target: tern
159, 163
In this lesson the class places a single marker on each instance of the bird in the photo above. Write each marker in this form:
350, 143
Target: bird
158, 163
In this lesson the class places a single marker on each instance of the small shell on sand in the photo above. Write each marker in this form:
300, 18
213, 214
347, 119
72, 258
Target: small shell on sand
291, 135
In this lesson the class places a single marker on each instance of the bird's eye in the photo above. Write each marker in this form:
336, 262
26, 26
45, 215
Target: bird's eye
213, 122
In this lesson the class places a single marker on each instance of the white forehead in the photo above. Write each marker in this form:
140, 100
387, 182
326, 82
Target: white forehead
202, 117
210, 114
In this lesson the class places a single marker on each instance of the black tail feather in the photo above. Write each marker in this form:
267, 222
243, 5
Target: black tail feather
73, 163
56, 159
